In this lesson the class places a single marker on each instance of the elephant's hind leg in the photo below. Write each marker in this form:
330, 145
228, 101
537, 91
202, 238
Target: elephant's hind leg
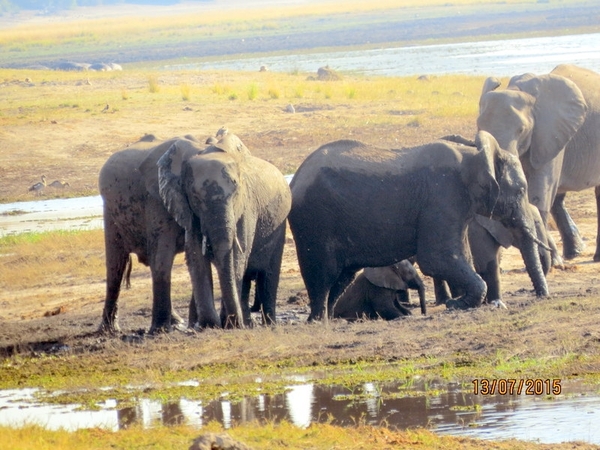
116, 261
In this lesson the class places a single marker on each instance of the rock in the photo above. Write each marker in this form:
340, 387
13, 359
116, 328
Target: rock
327, 74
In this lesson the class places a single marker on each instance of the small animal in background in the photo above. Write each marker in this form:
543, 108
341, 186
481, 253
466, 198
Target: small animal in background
38, 187
59, 184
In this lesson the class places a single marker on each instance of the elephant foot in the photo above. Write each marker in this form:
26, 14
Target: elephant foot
498, 304
109, 328
597, 256
572, 253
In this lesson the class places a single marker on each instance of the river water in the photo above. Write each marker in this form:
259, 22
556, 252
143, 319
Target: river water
498, 58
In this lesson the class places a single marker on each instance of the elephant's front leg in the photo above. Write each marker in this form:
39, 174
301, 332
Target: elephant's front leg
456, 270
161, 293
573, 244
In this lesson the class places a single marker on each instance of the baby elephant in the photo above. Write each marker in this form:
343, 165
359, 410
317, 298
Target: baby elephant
378, 292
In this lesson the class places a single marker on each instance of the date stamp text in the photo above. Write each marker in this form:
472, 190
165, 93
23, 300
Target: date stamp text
513, 386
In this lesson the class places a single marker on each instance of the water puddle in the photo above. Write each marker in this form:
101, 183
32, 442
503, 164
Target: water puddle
81, 213
570, 416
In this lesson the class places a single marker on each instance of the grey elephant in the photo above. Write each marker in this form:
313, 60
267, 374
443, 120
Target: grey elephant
552, 122
486, 239
356, 205
378, 292
136, 221
233, 208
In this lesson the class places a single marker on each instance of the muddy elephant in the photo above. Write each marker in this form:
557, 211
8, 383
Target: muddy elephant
379, 292
486, 238
356, 205
233, 208
552, 122
136, 221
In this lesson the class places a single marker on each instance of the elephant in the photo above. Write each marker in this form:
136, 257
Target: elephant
552, 122
486, 238
356, 205
378, 292
136, 221
233, 208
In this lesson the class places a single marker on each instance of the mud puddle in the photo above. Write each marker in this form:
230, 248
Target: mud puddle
444, 408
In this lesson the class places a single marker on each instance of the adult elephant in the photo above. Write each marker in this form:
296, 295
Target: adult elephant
379, 292
552, 122
233, 208
355, 206
136, 221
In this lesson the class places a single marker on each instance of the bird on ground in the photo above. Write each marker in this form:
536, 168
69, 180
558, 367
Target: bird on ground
37, 187
106, 108
59, 184
222, 132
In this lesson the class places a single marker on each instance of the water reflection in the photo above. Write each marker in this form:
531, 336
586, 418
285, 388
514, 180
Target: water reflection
569, 416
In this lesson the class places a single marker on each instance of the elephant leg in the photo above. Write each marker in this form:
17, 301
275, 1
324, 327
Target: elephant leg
202, 283
459, 274
442, 293
573, 244
491, 276
231, 282
403, 296
385, 303
338, 288
116, 261
597, 254
161, 294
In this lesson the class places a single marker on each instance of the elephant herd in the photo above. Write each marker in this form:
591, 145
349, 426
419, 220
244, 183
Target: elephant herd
449, 205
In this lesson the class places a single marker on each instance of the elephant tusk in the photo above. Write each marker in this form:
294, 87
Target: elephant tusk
541, 244
237, 243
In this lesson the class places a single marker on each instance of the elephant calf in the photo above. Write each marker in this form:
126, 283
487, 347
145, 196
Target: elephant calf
378, 292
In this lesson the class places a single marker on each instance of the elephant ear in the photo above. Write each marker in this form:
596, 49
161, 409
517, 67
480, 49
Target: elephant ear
498, 231
170, 186
480, 174
385, 277
148, 167
230, 143
559, 111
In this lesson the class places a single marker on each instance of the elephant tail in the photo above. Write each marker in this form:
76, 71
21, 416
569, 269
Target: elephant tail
171, 188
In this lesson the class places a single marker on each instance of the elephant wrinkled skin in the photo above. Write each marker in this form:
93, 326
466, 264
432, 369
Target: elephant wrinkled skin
552, 122
233, 207
355, 206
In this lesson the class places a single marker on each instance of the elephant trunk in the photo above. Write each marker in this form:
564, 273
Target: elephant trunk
536, 258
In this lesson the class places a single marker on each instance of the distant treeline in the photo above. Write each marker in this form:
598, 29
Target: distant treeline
59, 5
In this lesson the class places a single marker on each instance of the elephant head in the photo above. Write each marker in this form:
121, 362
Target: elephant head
398, 277
535, 117
511, 207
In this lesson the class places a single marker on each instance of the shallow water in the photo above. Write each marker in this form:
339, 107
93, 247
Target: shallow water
82, 213
498, 58
548, 419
